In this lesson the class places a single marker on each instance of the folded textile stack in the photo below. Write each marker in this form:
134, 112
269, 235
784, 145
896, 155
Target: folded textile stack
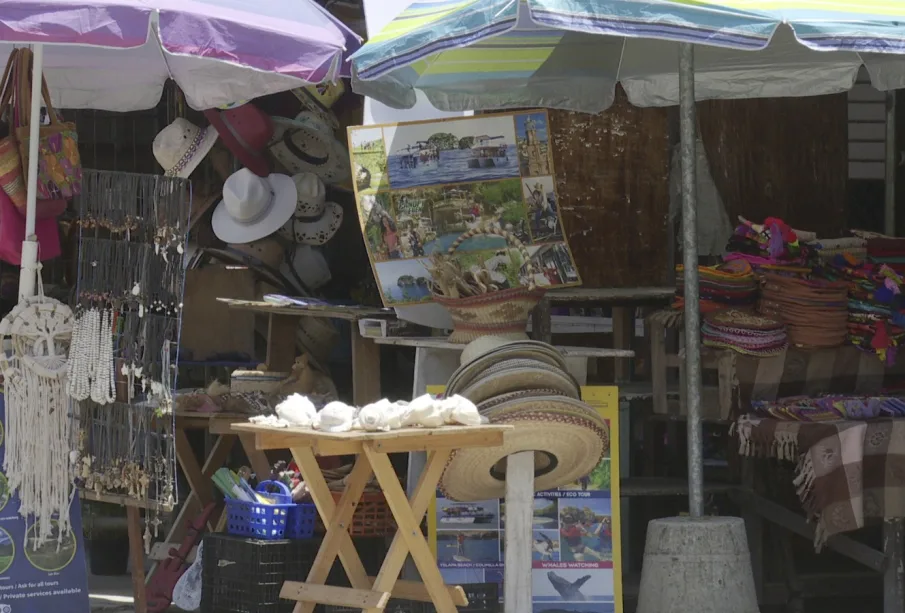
876, 306
744, 333
524, 384
889, 251
828, 248
830, 408
771, 246
731, 284
815, 311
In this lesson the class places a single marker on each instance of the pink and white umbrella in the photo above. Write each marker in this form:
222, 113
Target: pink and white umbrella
117, 54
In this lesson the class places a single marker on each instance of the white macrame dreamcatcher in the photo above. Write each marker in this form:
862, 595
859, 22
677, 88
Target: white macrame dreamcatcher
39, 417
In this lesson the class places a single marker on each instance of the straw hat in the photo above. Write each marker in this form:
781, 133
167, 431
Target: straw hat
181, 146
516, 375
486, 352
307, 144
569, 439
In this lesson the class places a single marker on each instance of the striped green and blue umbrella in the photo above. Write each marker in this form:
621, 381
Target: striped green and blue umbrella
492, 54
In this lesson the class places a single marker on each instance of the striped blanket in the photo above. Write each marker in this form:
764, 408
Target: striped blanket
847, 471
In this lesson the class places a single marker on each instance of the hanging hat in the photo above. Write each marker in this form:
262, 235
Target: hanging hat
513, 375
307, 144
253, 207
246, 130
181, 146
315, 230
568, 438
311, 194
313, 102
306, 269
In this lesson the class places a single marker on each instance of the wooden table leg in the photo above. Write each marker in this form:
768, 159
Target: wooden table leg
409, 528
258, 459
420, 501
192, 504
519, 536
137, 558
365, 369
337, 519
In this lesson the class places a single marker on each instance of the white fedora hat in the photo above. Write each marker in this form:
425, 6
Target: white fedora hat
307, 144
181, 146
253, 207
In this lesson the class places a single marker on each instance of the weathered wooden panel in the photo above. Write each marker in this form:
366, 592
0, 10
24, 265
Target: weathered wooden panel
780, 157
612, 179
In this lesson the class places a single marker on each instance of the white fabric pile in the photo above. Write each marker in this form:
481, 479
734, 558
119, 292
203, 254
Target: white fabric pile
381, 416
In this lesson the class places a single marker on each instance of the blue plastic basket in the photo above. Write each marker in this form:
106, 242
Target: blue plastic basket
262, 521
301, 521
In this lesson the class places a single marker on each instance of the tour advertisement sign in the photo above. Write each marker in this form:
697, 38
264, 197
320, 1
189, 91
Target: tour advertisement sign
33, 579
576, 555
421, 185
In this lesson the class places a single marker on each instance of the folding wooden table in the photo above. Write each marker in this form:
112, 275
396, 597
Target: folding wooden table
371, 449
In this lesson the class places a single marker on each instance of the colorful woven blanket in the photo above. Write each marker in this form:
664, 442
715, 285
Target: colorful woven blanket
847, 471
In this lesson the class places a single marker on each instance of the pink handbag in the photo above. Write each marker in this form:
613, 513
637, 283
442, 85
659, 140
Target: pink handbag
12, 233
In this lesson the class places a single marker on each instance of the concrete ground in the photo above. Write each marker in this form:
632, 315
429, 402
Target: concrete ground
110, 594
113, 595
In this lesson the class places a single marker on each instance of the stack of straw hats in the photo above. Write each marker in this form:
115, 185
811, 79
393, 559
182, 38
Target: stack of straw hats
525, 384
815, 311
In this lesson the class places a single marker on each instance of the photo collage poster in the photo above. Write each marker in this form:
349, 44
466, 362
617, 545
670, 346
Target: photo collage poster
421, 185
576, 553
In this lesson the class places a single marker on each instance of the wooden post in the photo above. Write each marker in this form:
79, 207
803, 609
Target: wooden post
894, 574
281, 338
137, 558
623, 335
541, 328
519, 532
365, 369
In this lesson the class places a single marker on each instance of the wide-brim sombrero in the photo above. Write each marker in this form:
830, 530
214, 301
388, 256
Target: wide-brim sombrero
568, 437
492, 355
517, 375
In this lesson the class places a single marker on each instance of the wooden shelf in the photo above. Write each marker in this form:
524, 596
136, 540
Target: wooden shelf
640, 487
635, 296
441, 343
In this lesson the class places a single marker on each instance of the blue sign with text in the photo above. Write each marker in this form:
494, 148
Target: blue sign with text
51, 577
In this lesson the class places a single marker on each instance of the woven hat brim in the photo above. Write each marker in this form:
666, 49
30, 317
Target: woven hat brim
577, 444
561, 405
468, 376
544, 354
516, 379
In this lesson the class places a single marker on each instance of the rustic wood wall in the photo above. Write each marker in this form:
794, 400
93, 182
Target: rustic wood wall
612, 181
781, 157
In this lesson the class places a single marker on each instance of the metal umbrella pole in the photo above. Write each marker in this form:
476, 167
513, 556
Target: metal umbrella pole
688, 157
30, 243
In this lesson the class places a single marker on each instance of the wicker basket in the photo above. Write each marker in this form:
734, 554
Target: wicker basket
372, 516
502, 313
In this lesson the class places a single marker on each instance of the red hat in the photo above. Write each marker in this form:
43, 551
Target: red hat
246, 130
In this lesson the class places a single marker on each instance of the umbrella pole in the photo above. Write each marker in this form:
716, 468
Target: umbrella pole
30, 244
688, 156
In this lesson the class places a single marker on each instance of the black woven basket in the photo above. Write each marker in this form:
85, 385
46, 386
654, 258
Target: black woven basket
242, 575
